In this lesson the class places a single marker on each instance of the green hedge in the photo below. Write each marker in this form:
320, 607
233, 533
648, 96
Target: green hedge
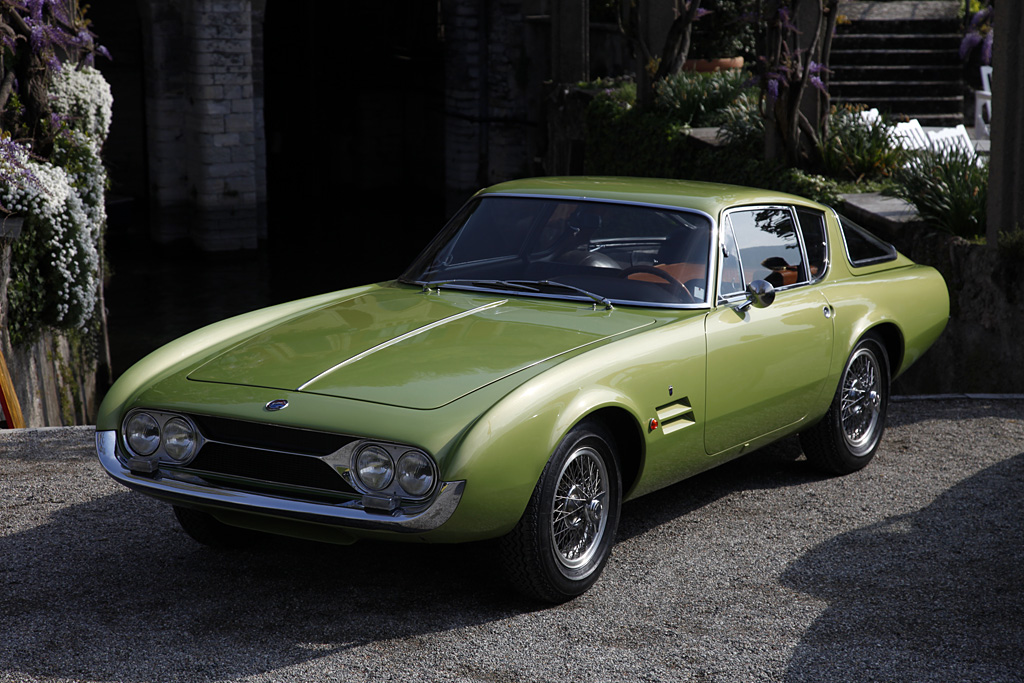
624, 141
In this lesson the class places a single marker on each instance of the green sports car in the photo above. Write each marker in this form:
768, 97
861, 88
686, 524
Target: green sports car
563, 345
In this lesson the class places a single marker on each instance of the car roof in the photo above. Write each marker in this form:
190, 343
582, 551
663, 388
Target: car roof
710, 198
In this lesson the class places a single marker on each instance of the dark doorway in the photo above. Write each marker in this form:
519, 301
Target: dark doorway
354, 127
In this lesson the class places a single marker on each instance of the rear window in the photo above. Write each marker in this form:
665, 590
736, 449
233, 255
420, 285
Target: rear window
863, 248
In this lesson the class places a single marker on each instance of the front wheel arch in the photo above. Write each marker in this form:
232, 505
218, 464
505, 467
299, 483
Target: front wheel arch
561, 544
623, 427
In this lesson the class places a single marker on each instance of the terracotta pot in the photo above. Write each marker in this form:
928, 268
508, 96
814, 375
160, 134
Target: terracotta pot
709, 65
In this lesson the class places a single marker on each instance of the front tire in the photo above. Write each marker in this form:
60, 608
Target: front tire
564, 538
847, 437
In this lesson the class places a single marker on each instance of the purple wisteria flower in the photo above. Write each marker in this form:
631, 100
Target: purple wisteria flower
979, 32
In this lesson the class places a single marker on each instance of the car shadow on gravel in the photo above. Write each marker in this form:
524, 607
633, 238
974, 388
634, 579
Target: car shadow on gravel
113, 590
777, 465
933, 595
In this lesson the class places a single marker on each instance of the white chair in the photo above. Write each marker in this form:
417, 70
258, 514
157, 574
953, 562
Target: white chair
983, 105
910, 135
870, 117
952, 139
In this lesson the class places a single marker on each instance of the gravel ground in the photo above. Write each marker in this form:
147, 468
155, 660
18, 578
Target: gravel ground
911, 570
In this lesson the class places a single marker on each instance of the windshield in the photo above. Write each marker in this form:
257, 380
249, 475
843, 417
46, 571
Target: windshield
570, 248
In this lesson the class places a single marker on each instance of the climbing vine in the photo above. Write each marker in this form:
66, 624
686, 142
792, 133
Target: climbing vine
55, 112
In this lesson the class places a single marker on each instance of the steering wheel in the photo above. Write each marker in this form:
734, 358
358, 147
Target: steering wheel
677, 288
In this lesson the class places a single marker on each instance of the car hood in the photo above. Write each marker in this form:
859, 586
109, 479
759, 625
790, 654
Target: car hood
408, 348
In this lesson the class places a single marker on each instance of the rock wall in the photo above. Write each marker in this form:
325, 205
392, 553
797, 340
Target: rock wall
204, 117
55, 377
981, 349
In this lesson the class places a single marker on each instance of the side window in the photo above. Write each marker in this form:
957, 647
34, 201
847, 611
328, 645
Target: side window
812, 227
862, 247
768, 246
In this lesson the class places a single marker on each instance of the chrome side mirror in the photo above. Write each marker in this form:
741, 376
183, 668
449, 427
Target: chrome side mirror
760, 294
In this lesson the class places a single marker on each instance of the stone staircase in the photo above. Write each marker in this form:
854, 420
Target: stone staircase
900, 57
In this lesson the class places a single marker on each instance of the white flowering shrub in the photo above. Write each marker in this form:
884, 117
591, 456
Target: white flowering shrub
55, 272
83, 96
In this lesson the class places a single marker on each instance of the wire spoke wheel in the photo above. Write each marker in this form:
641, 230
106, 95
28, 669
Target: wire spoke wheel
579, 511
565, 536
861, 401
846, 438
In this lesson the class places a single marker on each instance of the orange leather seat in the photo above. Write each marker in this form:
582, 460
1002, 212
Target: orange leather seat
683, 272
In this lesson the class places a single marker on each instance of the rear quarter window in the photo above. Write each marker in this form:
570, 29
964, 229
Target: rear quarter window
863, 248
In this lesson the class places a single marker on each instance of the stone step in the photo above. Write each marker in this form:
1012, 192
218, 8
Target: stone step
934, 75
894, 88
885, 57
890, 41
930, 111
900, 26
900, 56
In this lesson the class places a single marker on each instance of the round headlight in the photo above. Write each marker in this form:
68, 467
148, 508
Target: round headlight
415, 474
143, 434
179, 439
374, 467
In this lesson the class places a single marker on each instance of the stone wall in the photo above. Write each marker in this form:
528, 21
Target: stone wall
980, 351
486, 71
54, 378
204, 111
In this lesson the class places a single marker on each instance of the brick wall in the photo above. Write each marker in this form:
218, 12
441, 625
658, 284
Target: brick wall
204, 104
488, 126
207, 166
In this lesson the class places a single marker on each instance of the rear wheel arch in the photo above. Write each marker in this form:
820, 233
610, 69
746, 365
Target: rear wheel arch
890, 336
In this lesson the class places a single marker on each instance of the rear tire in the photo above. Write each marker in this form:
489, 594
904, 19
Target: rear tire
564, 538
847, 437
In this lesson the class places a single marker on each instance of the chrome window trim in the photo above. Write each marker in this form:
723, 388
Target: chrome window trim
828, 242
791, 209
713, 238
350, 514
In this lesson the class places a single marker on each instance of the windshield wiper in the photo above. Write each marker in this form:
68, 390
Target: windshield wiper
604, 301
521, 285
437, 284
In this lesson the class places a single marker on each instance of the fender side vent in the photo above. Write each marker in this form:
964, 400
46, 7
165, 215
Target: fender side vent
675, 416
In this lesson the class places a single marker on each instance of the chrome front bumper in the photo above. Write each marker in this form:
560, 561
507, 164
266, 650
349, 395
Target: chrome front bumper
348, 515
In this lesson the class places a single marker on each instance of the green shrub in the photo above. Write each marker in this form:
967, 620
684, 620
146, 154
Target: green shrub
698, 99
726, 31
742, 126
624, 141
1011, 245
857, 150
949, 189
621, 140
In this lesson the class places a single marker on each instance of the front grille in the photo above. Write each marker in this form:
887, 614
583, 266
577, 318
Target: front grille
269, 458
270, 437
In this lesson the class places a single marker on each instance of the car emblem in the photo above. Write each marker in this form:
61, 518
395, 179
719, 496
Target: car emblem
276, 404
